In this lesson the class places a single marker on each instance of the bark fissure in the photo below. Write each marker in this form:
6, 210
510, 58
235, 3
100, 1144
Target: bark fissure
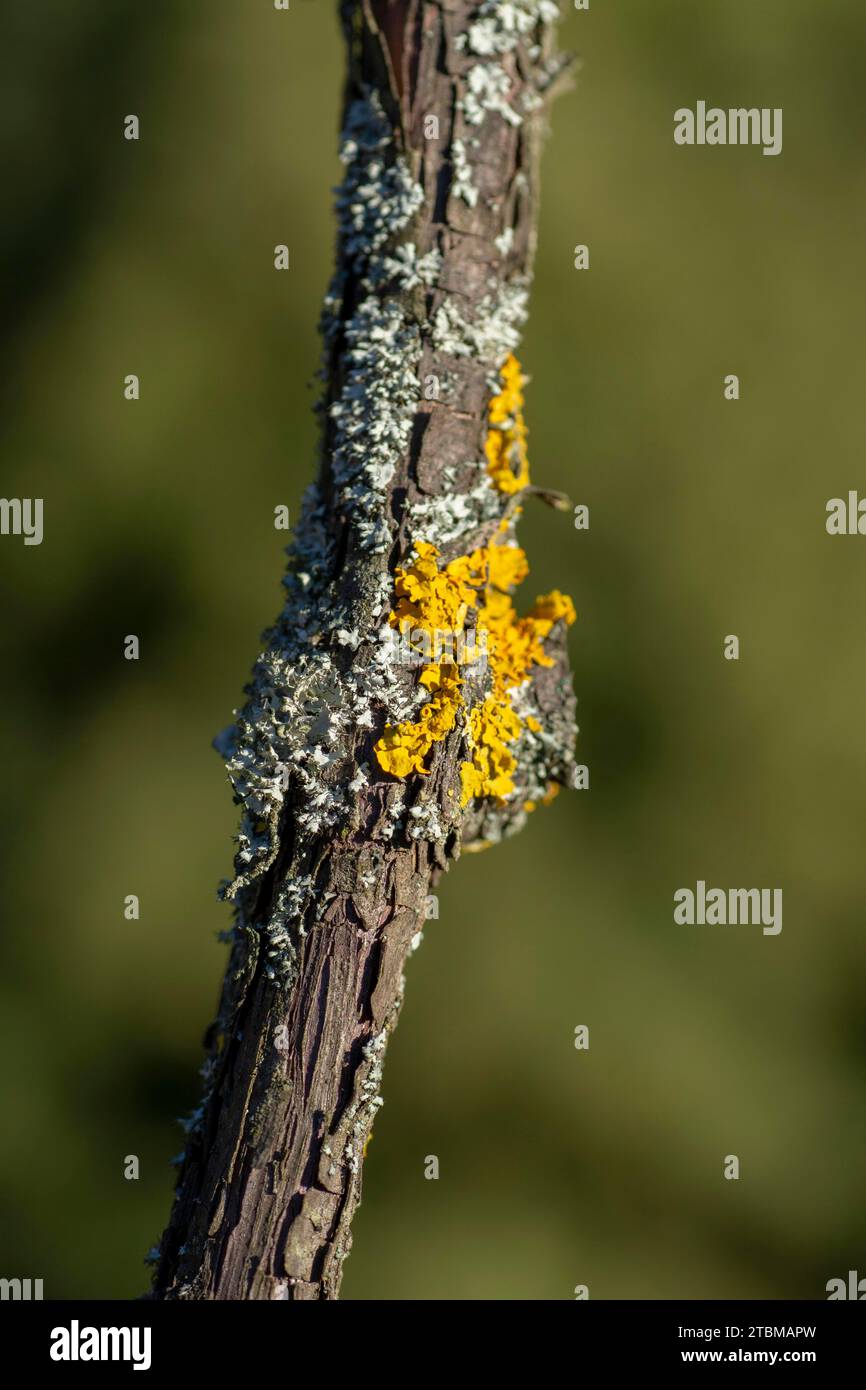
337, 858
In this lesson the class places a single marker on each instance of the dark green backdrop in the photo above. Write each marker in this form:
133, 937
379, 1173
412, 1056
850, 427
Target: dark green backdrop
707, 518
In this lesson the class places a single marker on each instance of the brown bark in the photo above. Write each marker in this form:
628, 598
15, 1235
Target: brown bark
272, 1172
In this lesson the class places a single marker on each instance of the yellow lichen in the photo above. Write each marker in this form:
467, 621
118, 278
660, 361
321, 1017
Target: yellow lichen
432, 603
514, 645
492, 726
505, 446
548, 608
435, 600
432, 600
403, 747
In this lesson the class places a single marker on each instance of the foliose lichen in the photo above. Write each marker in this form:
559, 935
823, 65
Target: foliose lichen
305, 701
498, 28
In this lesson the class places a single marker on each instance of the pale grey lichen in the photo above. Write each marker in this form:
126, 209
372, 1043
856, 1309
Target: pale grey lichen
360, 778
425, 822
500, 24
444, 520
374, 414
497, 29
293, 898
487, 89
406, 270
305, 703
396, 812
493, 332
378, 196
462, 185
363, 1109
372, 419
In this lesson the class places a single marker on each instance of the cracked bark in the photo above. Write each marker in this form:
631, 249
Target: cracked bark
272, 1174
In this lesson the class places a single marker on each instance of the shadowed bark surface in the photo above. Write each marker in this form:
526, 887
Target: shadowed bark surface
436, 236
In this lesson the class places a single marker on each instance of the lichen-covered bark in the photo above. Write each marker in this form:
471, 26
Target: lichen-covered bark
336, 858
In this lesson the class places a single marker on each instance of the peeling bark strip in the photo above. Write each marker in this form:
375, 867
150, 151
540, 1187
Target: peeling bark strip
336, 856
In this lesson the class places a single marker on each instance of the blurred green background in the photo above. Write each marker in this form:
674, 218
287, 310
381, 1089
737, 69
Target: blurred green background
557, 1167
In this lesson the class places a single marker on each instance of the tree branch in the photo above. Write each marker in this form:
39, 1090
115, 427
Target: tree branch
361, 768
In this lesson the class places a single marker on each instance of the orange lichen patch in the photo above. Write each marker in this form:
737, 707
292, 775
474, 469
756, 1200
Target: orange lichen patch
492, 726
506, 567
431, 599
505, 446
403, 747
436, 600
514, 645
548, 608
431, 603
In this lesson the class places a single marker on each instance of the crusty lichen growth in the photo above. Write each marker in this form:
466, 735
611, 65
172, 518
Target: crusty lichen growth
505, 446
434, 602
515, 645
307, 705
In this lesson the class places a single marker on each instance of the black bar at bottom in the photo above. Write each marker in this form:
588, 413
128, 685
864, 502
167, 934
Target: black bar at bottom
224, 1339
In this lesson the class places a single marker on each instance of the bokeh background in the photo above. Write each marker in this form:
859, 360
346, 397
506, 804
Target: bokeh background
557, 1167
